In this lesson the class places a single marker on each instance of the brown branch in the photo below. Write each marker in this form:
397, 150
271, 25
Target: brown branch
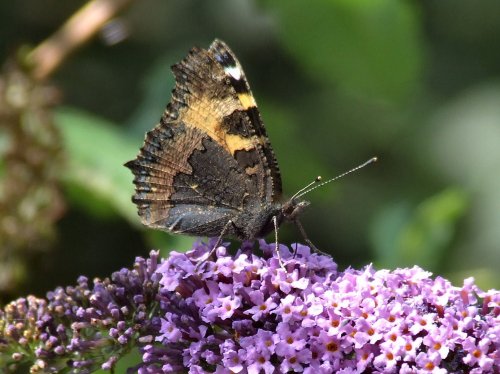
79, 29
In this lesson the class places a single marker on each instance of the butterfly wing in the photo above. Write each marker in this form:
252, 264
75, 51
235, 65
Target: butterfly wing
209, 157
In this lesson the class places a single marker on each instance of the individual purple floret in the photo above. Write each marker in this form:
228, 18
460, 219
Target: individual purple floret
246, 314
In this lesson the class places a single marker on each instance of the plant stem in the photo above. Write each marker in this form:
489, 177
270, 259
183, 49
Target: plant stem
76, 31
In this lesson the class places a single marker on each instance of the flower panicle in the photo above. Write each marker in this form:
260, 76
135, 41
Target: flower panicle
245, 313
81, 328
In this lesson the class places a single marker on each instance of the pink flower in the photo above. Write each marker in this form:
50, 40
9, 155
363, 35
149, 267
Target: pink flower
477, 352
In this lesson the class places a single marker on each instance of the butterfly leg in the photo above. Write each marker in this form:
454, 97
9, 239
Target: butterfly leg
217, 243
306, 239
276, 248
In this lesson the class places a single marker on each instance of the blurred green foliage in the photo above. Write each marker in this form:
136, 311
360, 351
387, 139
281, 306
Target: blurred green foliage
96, 150
362, 46
337, 82
419, 235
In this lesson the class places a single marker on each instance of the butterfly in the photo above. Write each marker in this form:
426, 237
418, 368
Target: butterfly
208, 167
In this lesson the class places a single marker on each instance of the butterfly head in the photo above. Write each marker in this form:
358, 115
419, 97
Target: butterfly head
293, 208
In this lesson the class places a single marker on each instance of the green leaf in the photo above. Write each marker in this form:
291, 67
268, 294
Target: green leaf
370, 47
422, 238
94, 173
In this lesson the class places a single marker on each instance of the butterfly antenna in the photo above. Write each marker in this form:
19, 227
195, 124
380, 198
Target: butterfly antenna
308, 188
298, 193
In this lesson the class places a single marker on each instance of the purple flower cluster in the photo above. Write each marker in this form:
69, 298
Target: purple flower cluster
247, 314
80, 329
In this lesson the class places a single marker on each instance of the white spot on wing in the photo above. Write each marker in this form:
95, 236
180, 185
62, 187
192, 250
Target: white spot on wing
233, 71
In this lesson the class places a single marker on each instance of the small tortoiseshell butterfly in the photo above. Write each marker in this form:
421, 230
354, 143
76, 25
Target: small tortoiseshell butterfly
208, 168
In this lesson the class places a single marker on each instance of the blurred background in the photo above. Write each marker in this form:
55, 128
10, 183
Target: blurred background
416, 83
